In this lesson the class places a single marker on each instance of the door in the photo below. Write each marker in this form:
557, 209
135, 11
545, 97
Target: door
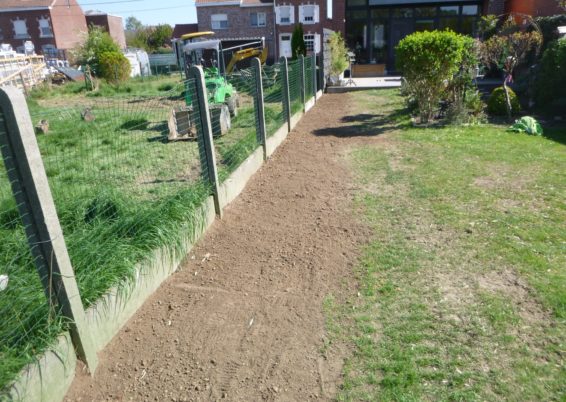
399, 29
285, 45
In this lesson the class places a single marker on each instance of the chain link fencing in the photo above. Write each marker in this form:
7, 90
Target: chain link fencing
128, 173
273, 97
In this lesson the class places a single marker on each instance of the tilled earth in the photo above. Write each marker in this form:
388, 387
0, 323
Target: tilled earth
242, 319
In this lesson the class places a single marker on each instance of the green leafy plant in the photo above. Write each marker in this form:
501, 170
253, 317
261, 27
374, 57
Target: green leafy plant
114, 67
509, 49
527, 124
551, 80
298, 46
497, 103
429, 62
97, 42
338, 54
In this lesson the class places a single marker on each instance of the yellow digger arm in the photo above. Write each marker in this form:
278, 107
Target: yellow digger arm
244, 54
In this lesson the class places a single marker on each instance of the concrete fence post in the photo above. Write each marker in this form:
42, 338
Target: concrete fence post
30, 186
259, 104
303, 79
285, 89
205, 139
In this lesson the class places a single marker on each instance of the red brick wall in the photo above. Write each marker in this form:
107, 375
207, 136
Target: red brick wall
336, 23
112, 24
31, 18
69, 24
535, 8
239, 23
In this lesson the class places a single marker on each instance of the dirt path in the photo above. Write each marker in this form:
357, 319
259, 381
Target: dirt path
247, 323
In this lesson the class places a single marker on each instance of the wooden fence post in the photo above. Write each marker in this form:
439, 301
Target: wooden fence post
285, 89
205, 139
260, 107
37, 209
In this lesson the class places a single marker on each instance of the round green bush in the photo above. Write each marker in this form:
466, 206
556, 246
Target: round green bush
114, 67
429, 61
497, 105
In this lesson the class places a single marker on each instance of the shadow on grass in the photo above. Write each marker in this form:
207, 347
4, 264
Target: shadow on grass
367, 125
556, 133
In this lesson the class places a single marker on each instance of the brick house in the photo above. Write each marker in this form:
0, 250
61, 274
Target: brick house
111, 23
53, 26
183, 29
238, 20
536, 8
314, 15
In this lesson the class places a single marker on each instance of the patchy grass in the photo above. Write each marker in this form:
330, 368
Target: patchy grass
463, 287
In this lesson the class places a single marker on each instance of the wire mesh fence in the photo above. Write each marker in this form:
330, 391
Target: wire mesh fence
295, 86
127, 177
309, 81
28, 324
273, 84
234, 121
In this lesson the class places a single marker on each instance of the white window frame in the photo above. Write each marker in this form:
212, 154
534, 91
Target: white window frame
20, 23
288, 37
259, 22
45, 30
278, 15
329, 4
309, 14
310, 42
216, 21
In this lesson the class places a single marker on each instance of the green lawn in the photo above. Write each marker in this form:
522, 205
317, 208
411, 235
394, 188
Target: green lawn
463, 285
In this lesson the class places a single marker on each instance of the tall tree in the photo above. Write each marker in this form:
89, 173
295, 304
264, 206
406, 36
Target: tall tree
133, 24
298, 42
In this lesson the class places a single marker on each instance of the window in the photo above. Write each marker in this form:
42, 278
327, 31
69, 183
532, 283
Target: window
219, 21
329, 9
308, 14
44, 28
285, 15
449, 10
470, 10
402, 13
20, 29
309, 42
425, 11
49, 51
424, 25
258, 19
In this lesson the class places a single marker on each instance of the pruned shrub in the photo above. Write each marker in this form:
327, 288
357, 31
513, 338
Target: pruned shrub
429, 61
114, 67
497, 104
551, 82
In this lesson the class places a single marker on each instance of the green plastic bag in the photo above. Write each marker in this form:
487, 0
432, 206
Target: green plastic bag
527, 124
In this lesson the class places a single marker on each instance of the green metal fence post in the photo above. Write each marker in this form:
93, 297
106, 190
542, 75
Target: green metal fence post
259, 106
30, 186
303, 79
285, 89
205, 141
313, 72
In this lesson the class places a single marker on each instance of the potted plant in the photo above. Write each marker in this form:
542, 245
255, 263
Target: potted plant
338, 58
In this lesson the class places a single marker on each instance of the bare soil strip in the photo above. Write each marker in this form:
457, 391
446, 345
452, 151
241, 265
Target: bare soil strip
243, 318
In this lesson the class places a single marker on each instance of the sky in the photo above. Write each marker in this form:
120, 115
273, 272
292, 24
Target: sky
149, 12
